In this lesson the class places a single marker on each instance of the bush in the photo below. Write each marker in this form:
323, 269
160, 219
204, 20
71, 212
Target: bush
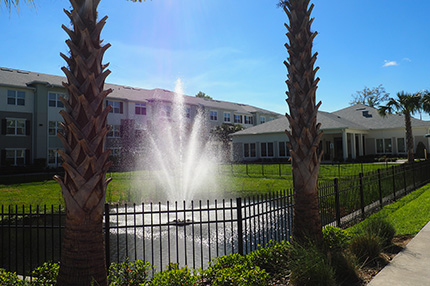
10, 279
365, 247
345, 268
335, 239
234, 269
175, 276
309, 266
46, 274
274, 258
381, 228
129, 273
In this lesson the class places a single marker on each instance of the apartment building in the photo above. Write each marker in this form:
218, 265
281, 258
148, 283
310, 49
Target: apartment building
30, 119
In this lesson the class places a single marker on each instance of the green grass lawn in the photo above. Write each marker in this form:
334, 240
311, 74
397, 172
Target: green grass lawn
138, 186
409, 214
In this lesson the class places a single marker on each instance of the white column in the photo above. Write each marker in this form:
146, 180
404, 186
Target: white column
345, 145
353, 147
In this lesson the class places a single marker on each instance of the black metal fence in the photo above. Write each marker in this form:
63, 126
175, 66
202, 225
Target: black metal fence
192, 233
283, 169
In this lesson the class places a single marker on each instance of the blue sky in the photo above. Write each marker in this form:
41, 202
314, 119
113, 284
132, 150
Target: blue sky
234, 50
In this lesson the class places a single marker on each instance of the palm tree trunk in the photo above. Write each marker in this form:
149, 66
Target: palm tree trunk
409, 137
85, 159
304, 136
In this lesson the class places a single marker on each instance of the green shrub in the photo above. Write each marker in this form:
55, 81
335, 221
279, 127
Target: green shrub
46, 274
309, 266
10, 278
345, 268
381, 228
335, 238
274, 258
234, 269
175, 276
129, 273
365, 247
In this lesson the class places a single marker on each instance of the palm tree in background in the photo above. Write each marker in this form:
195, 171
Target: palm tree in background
406, 104
305, 134
85, 159
15, 3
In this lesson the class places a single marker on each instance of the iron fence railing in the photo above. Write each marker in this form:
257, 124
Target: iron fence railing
192, 233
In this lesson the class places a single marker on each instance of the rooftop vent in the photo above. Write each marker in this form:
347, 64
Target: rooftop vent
366, 113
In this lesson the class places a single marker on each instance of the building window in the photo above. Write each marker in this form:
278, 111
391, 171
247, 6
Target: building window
140, 109
388, 146
15, 126
116, 151
271, 118
267, 149
54, 158
384, 145
227, 117
188, 112
401, 146
249, 119
213, 115
16, 97
165, 111
15, 157
54, 128
117, 106
237, 118
262, 119
114, 131
249, 150
54, 100
283, 150
379, 146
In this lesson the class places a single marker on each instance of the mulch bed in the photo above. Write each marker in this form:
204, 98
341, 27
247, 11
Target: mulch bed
367, 272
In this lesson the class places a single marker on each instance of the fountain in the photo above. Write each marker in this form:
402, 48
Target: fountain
187, 229
181, 158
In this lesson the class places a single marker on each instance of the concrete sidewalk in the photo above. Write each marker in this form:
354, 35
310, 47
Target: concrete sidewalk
411, 267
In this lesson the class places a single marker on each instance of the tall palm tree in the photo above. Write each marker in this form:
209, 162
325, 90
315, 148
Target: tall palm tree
85, 158
305, 135
406, 104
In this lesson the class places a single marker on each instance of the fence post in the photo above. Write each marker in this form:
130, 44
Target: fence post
413, 174
336, 201
107, 232
239, 225
380, 187
361, 195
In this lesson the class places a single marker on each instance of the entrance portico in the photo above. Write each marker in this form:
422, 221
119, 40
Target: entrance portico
342, 144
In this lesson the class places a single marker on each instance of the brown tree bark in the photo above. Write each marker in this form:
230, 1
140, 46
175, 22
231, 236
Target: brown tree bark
409, 137
85, 158
305, 135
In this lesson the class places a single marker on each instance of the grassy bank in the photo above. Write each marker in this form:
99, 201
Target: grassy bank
408, 215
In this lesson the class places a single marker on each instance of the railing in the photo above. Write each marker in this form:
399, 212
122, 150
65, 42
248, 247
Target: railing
283, 169
192, 233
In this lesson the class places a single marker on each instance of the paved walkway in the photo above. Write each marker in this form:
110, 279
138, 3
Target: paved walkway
411, 267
